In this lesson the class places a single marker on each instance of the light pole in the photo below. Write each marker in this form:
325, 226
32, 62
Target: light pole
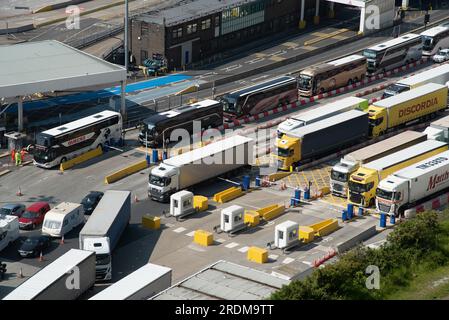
126, 36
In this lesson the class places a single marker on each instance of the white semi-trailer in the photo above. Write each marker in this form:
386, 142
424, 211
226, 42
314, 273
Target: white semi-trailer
412, 185
104, 228
438, 130
66, 278
320, 113
341, 172
199, 165
142, 284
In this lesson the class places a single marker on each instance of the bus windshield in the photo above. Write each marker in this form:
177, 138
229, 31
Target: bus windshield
43, 154
427, 43
305, 82
370, 54
229, 104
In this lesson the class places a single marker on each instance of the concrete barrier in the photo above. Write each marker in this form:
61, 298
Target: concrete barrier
325, 227
151, 222
80, 159
228, 194
257, 255
432, 204
277, 176
271, 212
203, 238
360, 237
136, 167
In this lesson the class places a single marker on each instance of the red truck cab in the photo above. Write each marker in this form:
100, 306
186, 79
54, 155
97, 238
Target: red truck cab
33, 215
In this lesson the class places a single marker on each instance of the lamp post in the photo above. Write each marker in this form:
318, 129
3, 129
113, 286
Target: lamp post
126, 36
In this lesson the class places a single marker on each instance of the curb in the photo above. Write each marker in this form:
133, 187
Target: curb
2, 173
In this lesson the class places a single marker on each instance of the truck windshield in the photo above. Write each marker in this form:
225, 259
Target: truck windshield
159, 181
357, 187
388, 195
50, 224
103, 258
339, 176
305, 82
284, 152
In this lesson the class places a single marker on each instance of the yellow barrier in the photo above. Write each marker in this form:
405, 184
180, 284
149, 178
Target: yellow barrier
228, 194
271, 211
325, 227
151, 222
278, 175
257, 255
200, 203
203, 238
126, 171
252, 218
43, 9
306, 234
80, 159
190, 89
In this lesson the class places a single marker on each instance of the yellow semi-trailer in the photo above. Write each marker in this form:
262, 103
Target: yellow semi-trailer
420, 103
363, 183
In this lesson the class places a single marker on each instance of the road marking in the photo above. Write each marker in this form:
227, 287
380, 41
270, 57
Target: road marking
273, 256
307, 262
231, 245
170, 225
310, 48
231, 68
190, 234
340, 37
277, 53
276, 58
255, 60
243, 249
288, 260
290, 44
261, 77
180, 229
221, 240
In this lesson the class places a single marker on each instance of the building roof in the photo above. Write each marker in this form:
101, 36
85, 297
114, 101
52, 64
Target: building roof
44, 66
191, 10
224, 280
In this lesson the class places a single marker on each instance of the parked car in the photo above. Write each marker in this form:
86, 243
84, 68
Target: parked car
13, 209
34, 245
90, 201
441, 56
33, 215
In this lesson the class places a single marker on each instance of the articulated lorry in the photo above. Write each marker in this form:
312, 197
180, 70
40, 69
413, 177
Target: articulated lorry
438, 75
320, 113
199, 165
363, 183
104, 228
142, 284
347, 165
66, 278
439, 130
320, 138
404, 108
412, 185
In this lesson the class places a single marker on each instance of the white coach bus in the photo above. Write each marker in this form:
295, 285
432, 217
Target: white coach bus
435, 39
72, 139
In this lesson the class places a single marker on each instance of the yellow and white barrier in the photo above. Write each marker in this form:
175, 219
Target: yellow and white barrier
228, 194
136, 167
80, 159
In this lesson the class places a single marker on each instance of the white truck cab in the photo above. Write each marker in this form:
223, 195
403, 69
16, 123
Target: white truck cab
340, 174
9, 230
391, 194
102, 249
163, 182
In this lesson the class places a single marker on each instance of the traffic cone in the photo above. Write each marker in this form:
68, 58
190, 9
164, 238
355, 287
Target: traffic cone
20, 273
41, 257
19, 192
62, 240
136, 199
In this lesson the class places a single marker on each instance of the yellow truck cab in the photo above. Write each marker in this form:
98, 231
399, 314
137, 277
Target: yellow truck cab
288, 152
363, 183
421, 102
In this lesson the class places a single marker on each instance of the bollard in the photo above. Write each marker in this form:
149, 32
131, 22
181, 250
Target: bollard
148, 158
350, 211
297, 196
307, 194
360, 213
246, 181
257, 181
292, 202
392, 219
344, 215
155, 156
164, 155
383, 220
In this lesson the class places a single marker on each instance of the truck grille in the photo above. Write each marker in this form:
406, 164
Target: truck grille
355, 198
384, 207
337, 187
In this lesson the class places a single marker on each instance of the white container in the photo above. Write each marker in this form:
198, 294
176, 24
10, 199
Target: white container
285, 234
9, 230
231, 218
62, 219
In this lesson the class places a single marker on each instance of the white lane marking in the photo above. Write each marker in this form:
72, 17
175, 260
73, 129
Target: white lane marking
278, 53
190, 234
243, 249
256, 60
170, 225
231, 245
261, 77
180, 229
231, 68
221, 240
273, 256
307, 262
288, 260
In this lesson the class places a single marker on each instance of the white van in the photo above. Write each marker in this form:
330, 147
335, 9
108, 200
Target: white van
9, 230
63, 218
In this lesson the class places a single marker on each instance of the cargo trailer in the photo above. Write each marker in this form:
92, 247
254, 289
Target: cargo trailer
439, 130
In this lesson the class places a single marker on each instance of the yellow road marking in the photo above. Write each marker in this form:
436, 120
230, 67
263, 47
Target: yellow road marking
276, 58
310, 48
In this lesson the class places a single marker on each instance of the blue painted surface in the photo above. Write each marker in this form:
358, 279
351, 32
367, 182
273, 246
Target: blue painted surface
105, 93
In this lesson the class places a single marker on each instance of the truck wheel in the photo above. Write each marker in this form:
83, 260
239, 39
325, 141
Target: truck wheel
63, 160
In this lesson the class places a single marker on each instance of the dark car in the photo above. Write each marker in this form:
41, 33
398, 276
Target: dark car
90, 201
34, 245
13, 209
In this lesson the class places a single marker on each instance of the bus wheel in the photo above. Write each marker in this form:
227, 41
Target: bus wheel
63, 160
322, 90
356, 80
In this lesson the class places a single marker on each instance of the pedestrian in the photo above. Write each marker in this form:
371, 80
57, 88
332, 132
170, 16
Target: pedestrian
22, 154
13, 155
18, 159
